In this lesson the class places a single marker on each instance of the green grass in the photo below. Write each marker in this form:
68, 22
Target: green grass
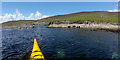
91, 17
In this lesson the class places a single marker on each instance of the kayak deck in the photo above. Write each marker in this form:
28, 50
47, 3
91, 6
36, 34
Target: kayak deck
36, 52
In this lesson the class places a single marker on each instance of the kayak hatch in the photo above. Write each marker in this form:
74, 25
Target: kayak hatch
36, 52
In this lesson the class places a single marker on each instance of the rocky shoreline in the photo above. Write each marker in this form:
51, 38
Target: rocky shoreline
100, 26
93, 26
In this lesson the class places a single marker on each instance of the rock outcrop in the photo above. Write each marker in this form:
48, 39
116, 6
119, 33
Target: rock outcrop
100, 26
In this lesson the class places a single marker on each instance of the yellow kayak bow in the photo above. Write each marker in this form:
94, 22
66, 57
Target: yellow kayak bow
36, 52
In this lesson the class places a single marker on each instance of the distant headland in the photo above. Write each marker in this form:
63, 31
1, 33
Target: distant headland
102, 20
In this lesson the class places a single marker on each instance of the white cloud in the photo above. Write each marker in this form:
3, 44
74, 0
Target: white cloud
20, 16
115, 10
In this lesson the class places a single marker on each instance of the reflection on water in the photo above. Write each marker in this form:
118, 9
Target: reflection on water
60, 53
60, 43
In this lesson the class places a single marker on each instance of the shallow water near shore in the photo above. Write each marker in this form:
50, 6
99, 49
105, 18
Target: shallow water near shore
60, 43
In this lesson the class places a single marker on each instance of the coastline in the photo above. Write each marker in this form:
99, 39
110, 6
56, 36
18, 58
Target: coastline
100, 26
92, 26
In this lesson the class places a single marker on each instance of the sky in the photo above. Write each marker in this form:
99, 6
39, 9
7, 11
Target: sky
37, 10
60, 0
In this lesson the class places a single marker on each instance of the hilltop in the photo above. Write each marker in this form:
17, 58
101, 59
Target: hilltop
79, 17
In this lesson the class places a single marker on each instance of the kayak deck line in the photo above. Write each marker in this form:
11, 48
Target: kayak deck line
36, 52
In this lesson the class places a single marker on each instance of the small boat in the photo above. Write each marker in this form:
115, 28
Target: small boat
36, 52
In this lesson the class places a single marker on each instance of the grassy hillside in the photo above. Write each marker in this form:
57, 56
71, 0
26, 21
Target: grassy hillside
100, 17
17, 23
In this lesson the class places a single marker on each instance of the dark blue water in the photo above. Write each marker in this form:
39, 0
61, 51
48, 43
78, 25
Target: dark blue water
60, 43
